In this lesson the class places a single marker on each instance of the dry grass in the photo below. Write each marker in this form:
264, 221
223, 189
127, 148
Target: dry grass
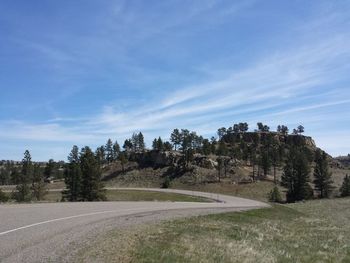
136, 195
315, 231
257, 191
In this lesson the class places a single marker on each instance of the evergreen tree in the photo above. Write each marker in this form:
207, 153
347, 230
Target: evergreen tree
155, 144
262, 127
38, 184
5, 175
252, 151
322, 176
100, 154
134, 142
123, 160
128, 145
109, 151
282, 129
160, 144
23, 193
345, 188
73, 177
167, 146
296, 176
175, 138
141, 142
243, 126
92, 187
301, 129
116, 150
275, 155
206, 148
221, 132
265, 162
49, 168
222, 149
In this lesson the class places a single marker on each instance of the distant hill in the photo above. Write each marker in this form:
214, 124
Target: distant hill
344, 160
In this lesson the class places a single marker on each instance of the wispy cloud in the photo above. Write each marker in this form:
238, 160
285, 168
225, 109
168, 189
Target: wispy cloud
136, 68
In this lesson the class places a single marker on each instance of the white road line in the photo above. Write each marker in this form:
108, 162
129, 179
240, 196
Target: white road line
65, 218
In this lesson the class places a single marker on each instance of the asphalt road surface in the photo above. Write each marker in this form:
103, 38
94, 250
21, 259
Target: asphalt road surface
52, 232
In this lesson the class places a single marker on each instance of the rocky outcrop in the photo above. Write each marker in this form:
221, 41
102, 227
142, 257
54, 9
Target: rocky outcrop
156, 159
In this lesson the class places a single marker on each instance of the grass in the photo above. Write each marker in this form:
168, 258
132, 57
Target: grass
315, 231
139, 195
257, 191
136, 195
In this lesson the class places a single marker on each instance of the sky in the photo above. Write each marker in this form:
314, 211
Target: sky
80, 72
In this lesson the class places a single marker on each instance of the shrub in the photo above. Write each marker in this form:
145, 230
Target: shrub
275, 195
3, 197
345, 188
166, 183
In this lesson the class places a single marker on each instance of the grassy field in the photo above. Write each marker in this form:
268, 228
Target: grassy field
257, 191
136, 195
315, 231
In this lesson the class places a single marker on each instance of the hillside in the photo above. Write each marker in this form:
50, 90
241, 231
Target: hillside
234, 159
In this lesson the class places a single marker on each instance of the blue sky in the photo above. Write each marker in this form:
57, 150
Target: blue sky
79, 72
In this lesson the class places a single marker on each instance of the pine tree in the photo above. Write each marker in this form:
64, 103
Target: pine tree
345, 188
167, 146
23, 193
128, 146
296, 176
123, 160
275, 154
92, 187
141, 142
206, 147
38, 184
73, 177
109, 151
222, 149
154, 144
100, 154
265, 162
49, 168
158, 144
175, 138
322, 176
134, 142
116, 150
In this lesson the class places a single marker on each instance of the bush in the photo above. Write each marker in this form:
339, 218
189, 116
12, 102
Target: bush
275, 195
345, 188
166, 183
3, 197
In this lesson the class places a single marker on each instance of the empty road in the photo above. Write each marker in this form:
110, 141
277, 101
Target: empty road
52, 232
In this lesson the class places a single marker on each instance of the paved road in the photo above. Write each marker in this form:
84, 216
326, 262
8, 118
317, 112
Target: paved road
52, 232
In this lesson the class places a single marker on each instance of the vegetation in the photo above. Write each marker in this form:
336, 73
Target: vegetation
73, 177
323, 178
345, 188
275, 195
3, 197
315, 231
296, 176
264, 153
83, 177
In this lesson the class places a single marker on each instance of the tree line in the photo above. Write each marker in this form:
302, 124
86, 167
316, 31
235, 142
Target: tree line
261, 149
